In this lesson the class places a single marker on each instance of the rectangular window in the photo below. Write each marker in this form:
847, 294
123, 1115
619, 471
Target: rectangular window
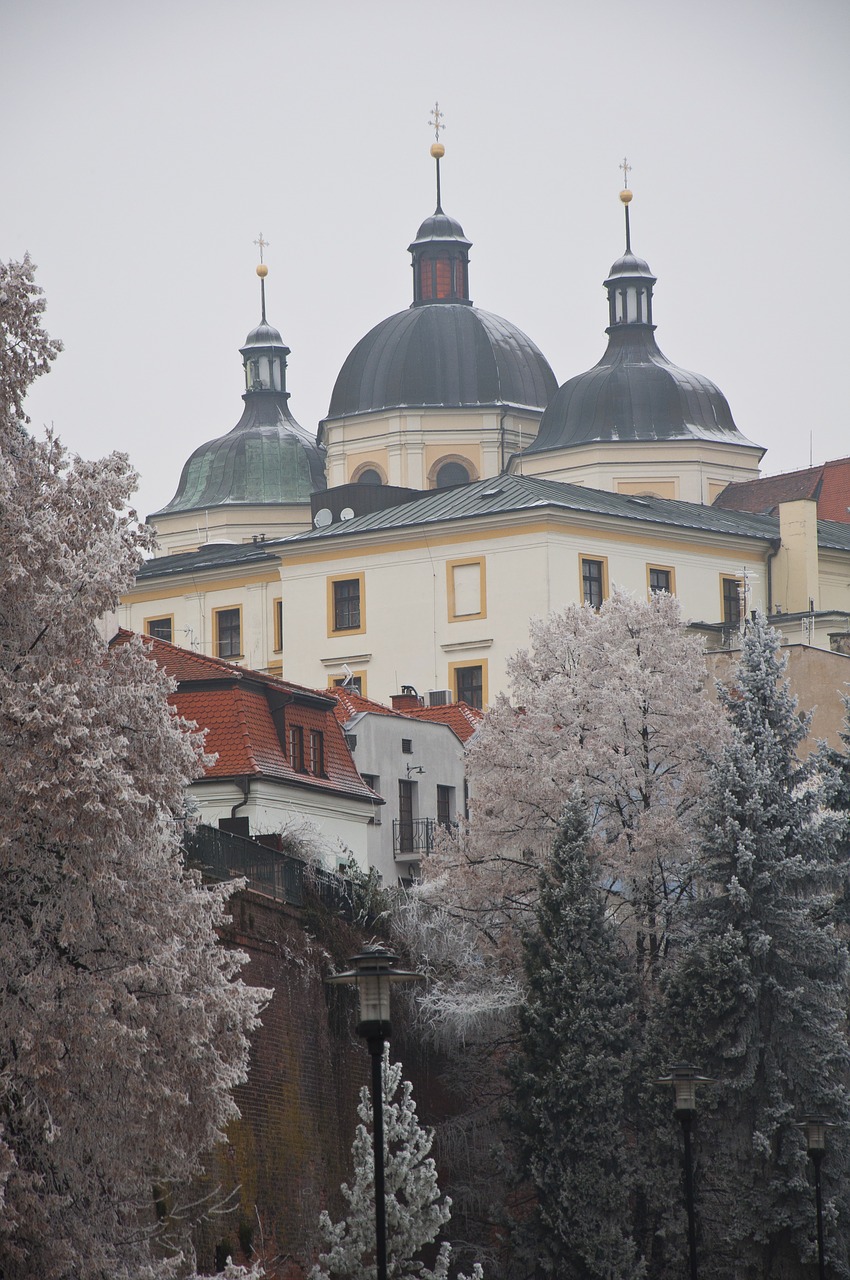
594, 584
469, 685
658, 579
731, 598
371, 780
346, 604
227, 624
277, 614
445, 806
467, 594
317, 753
407, 746
160, 628
405, 815
296, 747
354, 683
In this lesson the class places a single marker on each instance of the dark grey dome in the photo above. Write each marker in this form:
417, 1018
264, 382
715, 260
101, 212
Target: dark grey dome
439, 226
635, 393
265, 335
442, 354
630, 265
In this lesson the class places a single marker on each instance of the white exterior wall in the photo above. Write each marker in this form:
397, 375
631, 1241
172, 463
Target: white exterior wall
343, 823
687, 470
409, 637
436, 749
193, 614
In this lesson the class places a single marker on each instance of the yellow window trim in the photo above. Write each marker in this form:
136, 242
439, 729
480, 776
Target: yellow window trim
346, 631
361, 675
277, 622
731, 577
159, 617
233, 657
451, 565
597, 559
485, 682
664, 568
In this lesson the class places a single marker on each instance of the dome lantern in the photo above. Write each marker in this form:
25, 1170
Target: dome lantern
440, 251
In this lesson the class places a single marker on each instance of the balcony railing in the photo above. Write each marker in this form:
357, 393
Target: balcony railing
413, 839
222, 856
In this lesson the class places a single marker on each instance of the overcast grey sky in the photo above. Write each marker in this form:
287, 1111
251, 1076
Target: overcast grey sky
145, 146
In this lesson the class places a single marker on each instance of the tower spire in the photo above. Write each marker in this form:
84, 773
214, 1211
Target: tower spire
437, 149
262, 272
626, 196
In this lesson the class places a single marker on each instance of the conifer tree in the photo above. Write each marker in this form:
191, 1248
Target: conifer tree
571, 1080
758, 999
416, 1212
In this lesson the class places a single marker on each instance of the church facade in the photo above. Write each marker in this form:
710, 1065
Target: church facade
454, 491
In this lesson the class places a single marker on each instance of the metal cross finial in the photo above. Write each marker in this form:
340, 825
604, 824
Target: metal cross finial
436, 120
627, 168
263, 244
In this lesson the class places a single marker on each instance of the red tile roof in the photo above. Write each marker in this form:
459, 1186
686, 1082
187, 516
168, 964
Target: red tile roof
457, 715
827, 484
243, 711
460, 717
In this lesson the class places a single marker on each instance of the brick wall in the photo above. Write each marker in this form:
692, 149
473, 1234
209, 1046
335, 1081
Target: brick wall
285, 1159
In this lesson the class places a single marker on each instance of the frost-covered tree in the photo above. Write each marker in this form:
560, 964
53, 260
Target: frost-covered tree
416, 1212
609, 705
123, 1025
569, 1116
759, 997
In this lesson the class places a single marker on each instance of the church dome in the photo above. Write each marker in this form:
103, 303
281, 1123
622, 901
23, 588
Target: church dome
443, 354
267, 457
634, 392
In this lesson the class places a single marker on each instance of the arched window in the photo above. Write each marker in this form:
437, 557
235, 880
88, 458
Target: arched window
369, 476
451, 473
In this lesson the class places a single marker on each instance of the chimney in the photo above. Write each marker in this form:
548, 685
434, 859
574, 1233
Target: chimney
407, 700
795, 571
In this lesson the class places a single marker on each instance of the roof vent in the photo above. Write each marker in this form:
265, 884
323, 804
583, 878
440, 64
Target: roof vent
439, 697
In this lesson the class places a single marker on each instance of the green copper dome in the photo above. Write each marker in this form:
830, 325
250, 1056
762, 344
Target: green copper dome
267, 457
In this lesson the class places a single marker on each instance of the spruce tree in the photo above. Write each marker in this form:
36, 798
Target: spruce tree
416, 1212
570, 1079
758, 1000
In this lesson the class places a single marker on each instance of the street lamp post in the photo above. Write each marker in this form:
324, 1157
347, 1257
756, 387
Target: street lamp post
373, 972
684, 1080
815, 1128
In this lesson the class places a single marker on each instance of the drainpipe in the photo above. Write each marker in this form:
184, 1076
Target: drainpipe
244, 785
775, 546
502, 417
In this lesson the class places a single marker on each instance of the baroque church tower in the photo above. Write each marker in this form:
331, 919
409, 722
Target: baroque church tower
636, 423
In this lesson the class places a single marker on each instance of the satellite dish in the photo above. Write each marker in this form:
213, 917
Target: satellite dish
347, 513
322, 518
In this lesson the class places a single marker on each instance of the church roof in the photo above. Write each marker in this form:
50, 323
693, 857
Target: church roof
634, 393
266, 458
443, 354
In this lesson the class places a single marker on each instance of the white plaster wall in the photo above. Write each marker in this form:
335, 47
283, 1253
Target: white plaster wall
343, 823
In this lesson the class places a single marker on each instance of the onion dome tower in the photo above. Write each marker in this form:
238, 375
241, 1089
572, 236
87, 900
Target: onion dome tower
256, 480
636, 423
442, 393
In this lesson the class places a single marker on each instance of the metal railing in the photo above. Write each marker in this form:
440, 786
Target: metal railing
413, 839
220, 855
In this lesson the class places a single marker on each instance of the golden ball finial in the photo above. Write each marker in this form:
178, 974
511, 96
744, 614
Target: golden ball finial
626, 196
262, 271
437, 150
